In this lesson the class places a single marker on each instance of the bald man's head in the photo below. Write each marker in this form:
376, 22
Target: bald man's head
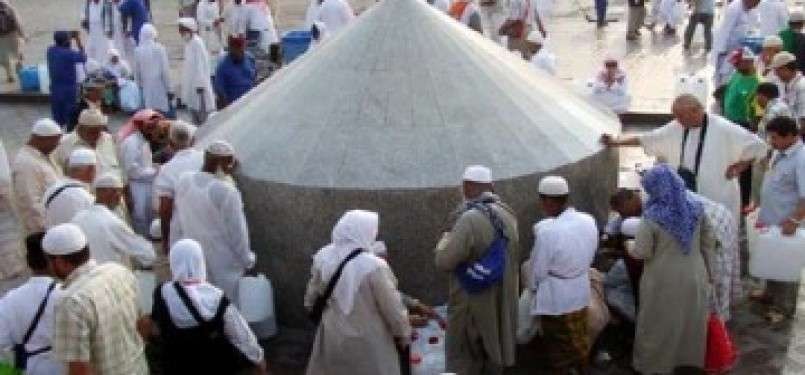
688, 110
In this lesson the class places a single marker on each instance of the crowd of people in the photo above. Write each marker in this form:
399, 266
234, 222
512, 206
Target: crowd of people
93, 207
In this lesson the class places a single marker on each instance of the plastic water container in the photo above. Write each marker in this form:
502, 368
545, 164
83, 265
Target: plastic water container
29, 78
773, 256
147, 282
44, 78
427, 350
256, 304
294, 44
754, 43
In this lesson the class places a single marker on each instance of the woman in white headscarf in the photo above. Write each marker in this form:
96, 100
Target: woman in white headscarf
364, 321
117, 66
151, 70
188, 345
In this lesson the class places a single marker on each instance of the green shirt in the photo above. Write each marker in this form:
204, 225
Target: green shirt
739, 97
787, 35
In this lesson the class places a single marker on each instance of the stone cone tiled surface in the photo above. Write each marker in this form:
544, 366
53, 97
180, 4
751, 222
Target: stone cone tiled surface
385, 116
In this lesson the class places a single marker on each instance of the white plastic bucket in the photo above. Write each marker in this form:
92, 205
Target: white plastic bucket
147, 282
773, 256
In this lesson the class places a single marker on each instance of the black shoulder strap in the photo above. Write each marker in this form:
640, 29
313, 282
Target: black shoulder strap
493, 218
38, 316
189, 304
59, 191
699, 148
337, 275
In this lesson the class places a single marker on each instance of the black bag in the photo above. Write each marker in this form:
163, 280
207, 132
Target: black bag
317, 310
687, 175
21, 355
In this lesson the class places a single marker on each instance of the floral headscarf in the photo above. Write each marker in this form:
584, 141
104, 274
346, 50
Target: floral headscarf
670, 205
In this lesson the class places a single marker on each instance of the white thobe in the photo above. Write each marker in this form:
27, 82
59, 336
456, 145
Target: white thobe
735, 25
65, 203
137, 159
257, 18
12, 262
17, 311
105, 150
772, 16
725, 144
97, 42
615, 96
210, 211
152, 74
187, 160
124, 45
196, 74
206, 15
112, 240
32, 174
312, 13
335, 14
563, 251
671, 12
544, 61
234, 23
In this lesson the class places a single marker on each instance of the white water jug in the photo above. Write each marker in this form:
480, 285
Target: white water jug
147, 282
773, 256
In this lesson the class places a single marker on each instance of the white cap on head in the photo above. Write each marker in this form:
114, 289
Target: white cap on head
108, 181
478, 174
553, 186
92, 117
188, 23
535, 37
629, 226
220, 148
81, 157
155, 232
782, 59
46, 128
64, 239
796, 16
772, 41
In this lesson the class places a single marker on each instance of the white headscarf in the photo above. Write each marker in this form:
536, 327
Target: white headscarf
357, 229
189, 269
148, 34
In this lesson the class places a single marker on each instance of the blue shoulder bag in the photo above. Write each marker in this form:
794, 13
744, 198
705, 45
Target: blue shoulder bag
477, 276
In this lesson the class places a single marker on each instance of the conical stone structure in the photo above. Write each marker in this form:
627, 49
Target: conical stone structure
385, 116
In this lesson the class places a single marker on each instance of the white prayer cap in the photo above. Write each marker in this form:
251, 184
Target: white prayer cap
772, 41
81, 157
782, 59
156, 230
108, 181
796, 16
188, 23
46, 128
553, 186
221, 148
113, 52
536, 37
629, 227
92, 117
64, 239
478, 174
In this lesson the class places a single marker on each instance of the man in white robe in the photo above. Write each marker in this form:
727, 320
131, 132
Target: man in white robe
772, 17
210, 211
67, 197
90, 133
33, 172
112, 240
152, 70
96, 16
336, 14
197, 93
257, 18
208, 15
727, 150
185, 159
736, 23
541, 58
234, 23
12, 263
137, 159
19, 307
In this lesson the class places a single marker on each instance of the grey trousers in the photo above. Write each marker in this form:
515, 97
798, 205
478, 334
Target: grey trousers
707, 22
637, 15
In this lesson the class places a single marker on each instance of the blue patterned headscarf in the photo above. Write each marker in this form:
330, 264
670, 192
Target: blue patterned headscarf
670, 205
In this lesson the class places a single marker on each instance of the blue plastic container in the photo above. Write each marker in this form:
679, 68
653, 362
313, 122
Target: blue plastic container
754, 43
294, 44
29, 78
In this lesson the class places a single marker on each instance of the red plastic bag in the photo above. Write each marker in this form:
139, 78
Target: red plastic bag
721, 353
